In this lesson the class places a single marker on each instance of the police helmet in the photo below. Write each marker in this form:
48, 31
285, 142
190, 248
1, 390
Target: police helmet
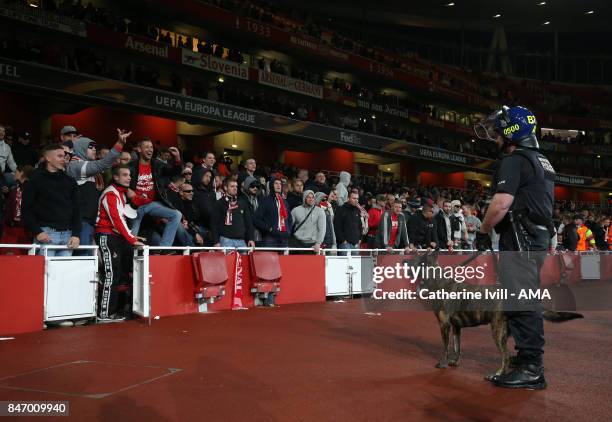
516, 126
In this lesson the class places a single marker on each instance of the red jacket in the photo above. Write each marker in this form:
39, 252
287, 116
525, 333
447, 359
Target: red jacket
111, 213
374, 216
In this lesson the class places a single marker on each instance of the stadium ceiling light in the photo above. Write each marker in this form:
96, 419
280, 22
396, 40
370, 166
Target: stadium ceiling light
496, 16
546, 23
542, 3
373, 116
451, 4
598, 156
590, 12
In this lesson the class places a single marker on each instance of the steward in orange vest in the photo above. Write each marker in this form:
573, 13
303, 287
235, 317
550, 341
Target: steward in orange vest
586, 241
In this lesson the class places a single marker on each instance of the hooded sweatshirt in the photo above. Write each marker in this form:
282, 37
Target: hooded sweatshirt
342, 187
88, 174
253, 202
311, 230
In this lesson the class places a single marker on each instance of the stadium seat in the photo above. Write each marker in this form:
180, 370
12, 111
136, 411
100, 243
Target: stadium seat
266, 273
210, 270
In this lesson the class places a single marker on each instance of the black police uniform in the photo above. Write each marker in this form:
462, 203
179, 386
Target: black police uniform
529, 177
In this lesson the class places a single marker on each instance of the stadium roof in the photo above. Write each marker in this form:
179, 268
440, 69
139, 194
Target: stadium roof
515, 15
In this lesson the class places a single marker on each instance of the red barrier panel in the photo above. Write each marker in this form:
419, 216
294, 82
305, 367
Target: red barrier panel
21, 294
554, 267
303, 279
172, 285
173, 282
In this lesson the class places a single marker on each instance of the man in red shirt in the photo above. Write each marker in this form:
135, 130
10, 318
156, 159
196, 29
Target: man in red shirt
146, 193
392, 231
115, 241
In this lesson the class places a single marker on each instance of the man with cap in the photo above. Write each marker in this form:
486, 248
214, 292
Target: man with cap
23, 152
521, 212
68, 135
87, 171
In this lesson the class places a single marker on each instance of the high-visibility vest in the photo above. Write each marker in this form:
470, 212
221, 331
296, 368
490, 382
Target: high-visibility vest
585, 239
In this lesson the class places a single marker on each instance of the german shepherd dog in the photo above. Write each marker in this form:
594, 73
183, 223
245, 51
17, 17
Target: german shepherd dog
455, 315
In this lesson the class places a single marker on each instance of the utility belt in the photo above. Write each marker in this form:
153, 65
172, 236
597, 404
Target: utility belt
525, 225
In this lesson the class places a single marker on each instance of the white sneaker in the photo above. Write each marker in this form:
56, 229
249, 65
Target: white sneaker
110, 319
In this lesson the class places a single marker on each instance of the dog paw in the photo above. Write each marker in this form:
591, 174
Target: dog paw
441, 365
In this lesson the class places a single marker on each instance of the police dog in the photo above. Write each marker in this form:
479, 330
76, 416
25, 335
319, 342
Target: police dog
457, 314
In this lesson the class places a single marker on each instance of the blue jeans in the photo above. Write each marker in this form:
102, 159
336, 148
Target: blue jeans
56, 238
85, 238
184, 237
158, 210
226, 242
347, 246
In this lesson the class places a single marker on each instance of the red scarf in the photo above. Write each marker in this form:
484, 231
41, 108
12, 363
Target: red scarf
282, 213
232, 205
18, 197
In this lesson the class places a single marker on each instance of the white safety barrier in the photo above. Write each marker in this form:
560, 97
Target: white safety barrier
70, 282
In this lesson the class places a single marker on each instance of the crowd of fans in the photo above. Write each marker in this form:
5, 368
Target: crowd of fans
74, 192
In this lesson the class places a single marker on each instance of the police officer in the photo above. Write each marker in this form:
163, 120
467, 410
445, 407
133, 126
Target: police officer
521, 213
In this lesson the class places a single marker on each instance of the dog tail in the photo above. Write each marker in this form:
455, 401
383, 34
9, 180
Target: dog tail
554, 316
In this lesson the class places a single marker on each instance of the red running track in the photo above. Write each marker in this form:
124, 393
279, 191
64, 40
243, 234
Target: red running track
311, 362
